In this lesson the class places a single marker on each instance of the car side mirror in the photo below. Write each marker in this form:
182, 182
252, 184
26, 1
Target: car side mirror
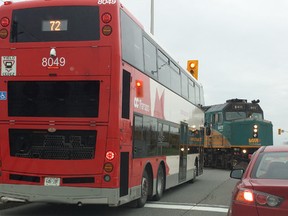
237, 173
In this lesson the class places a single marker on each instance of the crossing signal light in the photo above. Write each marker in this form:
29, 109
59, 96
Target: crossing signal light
192, 67
139, 88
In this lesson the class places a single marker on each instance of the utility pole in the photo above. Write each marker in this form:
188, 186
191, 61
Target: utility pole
152, 18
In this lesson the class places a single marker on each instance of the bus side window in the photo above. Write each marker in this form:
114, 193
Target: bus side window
184, 87
164, 73
191, 90
132, 43
150, 135
150, 62
175, 78
138, 142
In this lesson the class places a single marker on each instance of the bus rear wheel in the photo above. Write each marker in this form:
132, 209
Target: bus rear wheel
160, 184
144, 190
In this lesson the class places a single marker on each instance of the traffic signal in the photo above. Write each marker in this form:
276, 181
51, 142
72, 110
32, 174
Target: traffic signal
279, 131
255, 131
192, 67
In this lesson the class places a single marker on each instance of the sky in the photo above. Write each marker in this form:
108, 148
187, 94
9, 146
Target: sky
241, 45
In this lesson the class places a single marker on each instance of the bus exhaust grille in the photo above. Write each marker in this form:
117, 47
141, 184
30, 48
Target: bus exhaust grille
60, 145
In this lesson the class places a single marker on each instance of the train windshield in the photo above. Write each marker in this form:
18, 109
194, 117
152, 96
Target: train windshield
235, 115
230, 116
55, 24
257, 116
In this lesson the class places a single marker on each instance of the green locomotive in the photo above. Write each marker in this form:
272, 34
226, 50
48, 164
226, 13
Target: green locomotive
234, 131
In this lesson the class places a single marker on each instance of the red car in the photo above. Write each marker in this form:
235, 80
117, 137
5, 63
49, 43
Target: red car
263, 186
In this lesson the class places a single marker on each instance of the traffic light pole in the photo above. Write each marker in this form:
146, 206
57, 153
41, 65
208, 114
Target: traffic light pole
152, 18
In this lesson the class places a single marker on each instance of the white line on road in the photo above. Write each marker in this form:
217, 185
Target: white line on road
193, 207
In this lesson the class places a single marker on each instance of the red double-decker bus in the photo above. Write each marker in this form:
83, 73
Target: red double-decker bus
93, 110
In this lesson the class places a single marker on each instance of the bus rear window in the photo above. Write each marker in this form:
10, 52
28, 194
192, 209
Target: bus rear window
70, 23
53, 98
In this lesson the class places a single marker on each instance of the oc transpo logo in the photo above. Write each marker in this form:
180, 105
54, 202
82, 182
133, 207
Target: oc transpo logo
139, 104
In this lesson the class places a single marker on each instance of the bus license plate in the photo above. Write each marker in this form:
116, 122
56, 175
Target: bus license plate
52, 181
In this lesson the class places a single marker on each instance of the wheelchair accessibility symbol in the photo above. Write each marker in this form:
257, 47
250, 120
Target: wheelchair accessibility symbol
3, 95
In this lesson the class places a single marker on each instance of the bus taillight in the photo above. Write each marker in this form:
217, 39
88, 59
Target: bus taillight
110, 155
107, 29
7, 2
5, 21
3, 33
106, 18
108, 167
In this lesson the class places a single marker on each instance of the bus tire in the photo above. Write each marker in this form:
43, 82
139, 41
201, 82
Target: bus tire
196, 172
144, 190
160, 183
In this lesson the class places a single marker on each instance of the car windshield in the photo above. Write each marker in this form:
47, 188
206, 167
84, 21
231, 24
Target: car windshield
271, 165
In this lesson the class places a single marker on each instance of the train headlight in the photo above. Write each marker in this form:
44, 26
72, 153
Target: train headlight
255, 131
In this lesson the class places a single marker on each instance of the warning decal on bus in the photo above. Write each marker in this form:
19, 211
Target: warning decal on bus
107, 2
8, 66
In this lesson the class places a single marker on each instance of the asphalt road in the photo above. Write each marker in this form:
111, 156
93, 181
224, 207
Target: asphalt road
209, 195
